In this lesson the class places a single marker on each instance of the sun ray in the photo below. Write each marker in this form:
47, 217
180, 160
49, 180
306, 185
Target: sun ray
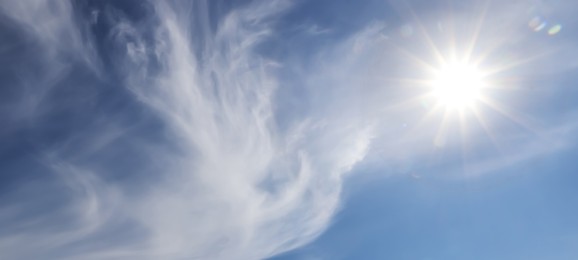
485, 126
487, 130
420, 62
431, 44
476, 35
440, 137
517, 119
422, 121
516, 63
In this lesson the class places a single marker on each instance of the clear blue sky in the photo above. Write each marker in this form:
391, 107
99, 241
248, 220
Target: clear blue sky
281, 130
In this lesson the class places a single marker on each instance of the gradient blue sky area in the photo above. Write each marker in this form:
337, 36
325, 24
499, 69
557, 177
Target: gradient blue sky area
287, 130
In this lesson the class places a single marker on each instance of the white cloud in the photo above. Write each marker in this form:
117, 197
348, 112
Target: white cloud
232, 185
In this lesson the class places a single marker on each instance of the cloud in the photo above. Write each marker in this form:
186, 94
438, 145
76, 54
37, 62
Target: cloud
160, 130
219, 178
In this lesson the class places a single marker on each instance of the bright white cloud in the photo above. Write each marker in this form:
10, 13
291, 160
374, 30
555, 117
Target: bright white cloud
232, 185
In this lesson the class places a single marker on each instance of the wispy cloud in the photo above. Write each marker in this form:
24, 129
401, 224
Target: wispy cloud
228, 182
162, 131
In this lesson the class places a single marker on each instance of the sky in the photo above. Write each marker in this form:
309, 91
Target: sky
288, 129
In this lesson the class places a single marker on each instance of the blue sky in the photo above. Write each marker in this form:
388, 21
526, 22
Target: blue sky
288, 129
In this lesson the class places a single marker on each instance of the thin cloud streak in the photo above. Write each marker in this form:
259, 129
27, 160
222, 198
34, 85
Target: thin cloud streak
231, 185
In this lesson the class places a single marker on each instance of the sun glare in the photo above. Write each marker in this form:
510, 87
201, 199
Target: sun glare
458, 78
458, 85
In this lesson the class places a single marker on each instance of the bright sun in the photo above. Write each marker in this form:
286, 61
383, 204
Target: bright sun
458, 85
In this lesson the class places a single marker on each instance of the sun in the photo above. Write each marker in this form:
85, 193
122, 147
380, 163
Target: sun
458, 81
458, 85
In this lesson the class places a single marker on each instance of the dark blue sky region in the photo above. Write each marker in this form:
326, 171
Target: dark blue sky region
283, 129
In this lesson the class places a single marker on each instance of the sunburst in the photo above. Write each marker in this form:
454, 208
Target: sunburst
460, 80
458, 85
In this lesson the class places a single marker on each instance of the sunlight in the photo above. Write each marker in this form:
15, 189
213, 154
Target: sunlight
457, 85
459, 78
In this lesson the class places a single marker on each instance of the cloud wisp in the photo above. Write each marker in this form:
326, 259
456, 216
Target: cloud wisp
220, 179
